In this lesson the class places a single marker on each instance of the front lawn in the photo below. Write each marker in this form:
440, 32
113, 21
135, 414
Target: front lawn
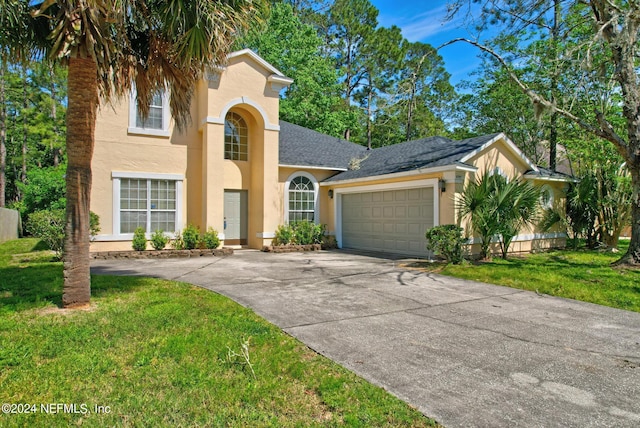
582, 275
157, 353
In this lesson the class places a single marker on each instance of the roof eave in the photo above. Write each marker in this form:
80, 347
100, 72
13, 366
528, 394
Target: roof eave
530, 176
418, 171
326, 168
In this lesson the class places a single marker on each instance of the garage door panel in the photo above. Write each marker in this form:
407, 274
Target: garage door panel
393, 221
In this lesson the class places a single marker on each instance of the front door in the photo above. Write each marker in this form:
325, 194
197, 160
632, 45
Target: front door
235, 217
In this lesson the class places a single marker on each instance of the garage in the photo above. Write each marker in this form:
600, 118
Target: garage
393, 221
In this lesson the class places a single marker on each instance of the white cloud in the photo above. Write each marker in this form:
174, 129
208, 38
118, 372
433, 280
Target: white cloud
421, 26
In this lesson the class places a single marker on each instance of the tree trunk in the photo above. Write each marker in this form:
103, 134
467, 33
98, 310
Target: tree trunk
81, 121
3, 135
369, 124
410, 107
632, 257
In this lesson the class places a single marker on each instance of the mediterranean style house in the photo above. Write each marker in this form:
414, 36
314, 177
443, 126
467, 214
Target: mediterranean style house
242, 171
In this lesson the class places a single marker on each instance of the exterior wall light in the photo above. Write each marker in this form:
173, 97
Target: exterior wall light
330, 193
442, 185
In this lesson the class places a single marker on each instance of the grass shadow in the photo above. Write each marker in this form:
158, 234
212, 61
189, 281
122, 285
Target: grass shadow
26, 287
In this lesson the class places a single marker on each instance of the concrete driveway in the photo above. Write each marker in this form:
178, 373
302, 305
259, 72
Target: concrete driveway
464, 353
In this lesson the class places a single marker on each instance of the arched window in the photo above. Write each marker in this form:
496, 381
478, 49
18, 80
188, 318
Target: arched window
546, 196
236, 136
301, 196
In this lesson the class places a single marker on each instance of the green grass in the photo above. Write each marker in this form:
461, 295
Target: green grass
156, 353
584, 275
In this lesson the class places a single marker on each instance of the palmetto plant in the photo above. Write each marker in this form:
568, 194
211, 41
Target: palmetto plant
108, 46
498, 209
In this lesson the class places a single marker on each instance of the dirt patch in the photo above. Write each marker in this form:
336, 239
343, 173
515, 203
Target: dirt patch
161, 254
54, 310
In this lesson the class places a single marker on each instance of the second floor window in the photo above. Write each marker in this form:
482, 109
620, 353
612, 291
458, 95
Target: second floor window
236, 136
155, 120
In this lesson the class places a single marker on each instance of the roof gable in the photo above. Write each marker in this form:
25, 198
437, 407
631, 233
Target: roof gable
257, 59
510, 146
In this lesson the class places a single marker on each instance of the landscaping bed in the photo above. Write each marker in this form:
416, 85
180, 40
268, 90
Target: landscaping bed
161, 254
291, 248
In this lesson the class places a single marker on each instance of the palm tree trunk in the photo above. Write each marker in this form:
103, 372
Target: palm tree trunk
81, 121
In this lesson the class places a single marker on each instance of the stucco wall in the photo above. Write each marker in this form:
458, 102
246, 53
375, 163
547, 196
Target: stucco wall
197, 153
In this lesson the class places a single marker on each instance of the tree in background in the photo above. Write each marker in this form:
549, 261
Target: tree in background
351, 26
600, 50
313, 99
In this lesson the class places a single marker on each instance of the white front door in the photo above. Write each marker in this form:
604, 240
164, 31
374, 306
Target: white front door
235, 217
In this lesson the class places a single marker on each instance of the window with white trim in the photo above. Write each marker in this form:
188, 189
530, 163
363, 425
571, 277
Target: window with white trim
156, 113
150, 204
546, 196
302, 199
236, 137
157, 123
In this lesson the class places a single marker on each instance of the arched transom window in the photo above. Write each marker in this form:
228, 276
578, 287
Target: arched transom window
236, 136
302, 199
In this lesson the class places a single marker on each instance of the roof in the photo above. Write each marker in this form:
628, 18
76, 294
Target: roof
304, 147
548, 175
417, 154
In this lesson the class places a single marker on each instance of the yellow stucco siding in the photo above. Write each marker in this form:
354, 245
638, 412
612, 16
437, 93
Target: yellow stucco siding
118, 150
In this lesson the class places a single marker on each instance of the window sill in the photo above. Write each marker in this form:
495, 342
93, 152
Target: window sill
150, 132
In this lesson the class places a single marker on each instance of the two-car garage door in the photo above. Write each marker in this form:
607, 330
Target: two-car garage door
392, 220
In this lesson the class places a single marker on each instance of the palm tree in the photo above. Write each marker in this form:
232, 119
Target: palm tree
498, 209
517, 204
108, 46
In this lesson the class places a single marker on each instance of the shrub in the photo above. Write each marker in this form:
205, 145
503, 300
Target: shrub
284, 235
94, 224
191, 237
307, 232
49, 227
178, 242
301, 232
139, 242
44, 190
159, 240
210, 239
446, 241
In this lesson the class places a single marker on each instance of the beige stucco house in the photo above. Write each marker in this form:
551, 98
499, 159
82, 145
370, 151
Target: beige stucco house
242, 171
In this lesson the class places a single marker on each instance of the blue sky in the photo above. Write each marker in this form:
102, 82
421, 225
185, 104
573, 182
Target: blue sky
424, 21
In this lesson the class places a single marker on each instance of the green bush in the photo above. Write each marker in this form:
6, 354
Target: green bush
94, 224
446, 241
139, 242
159, 240
43, 190
307, 232
191, 237
177, 243
210, 239
301, 233
49, 227
284, 235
